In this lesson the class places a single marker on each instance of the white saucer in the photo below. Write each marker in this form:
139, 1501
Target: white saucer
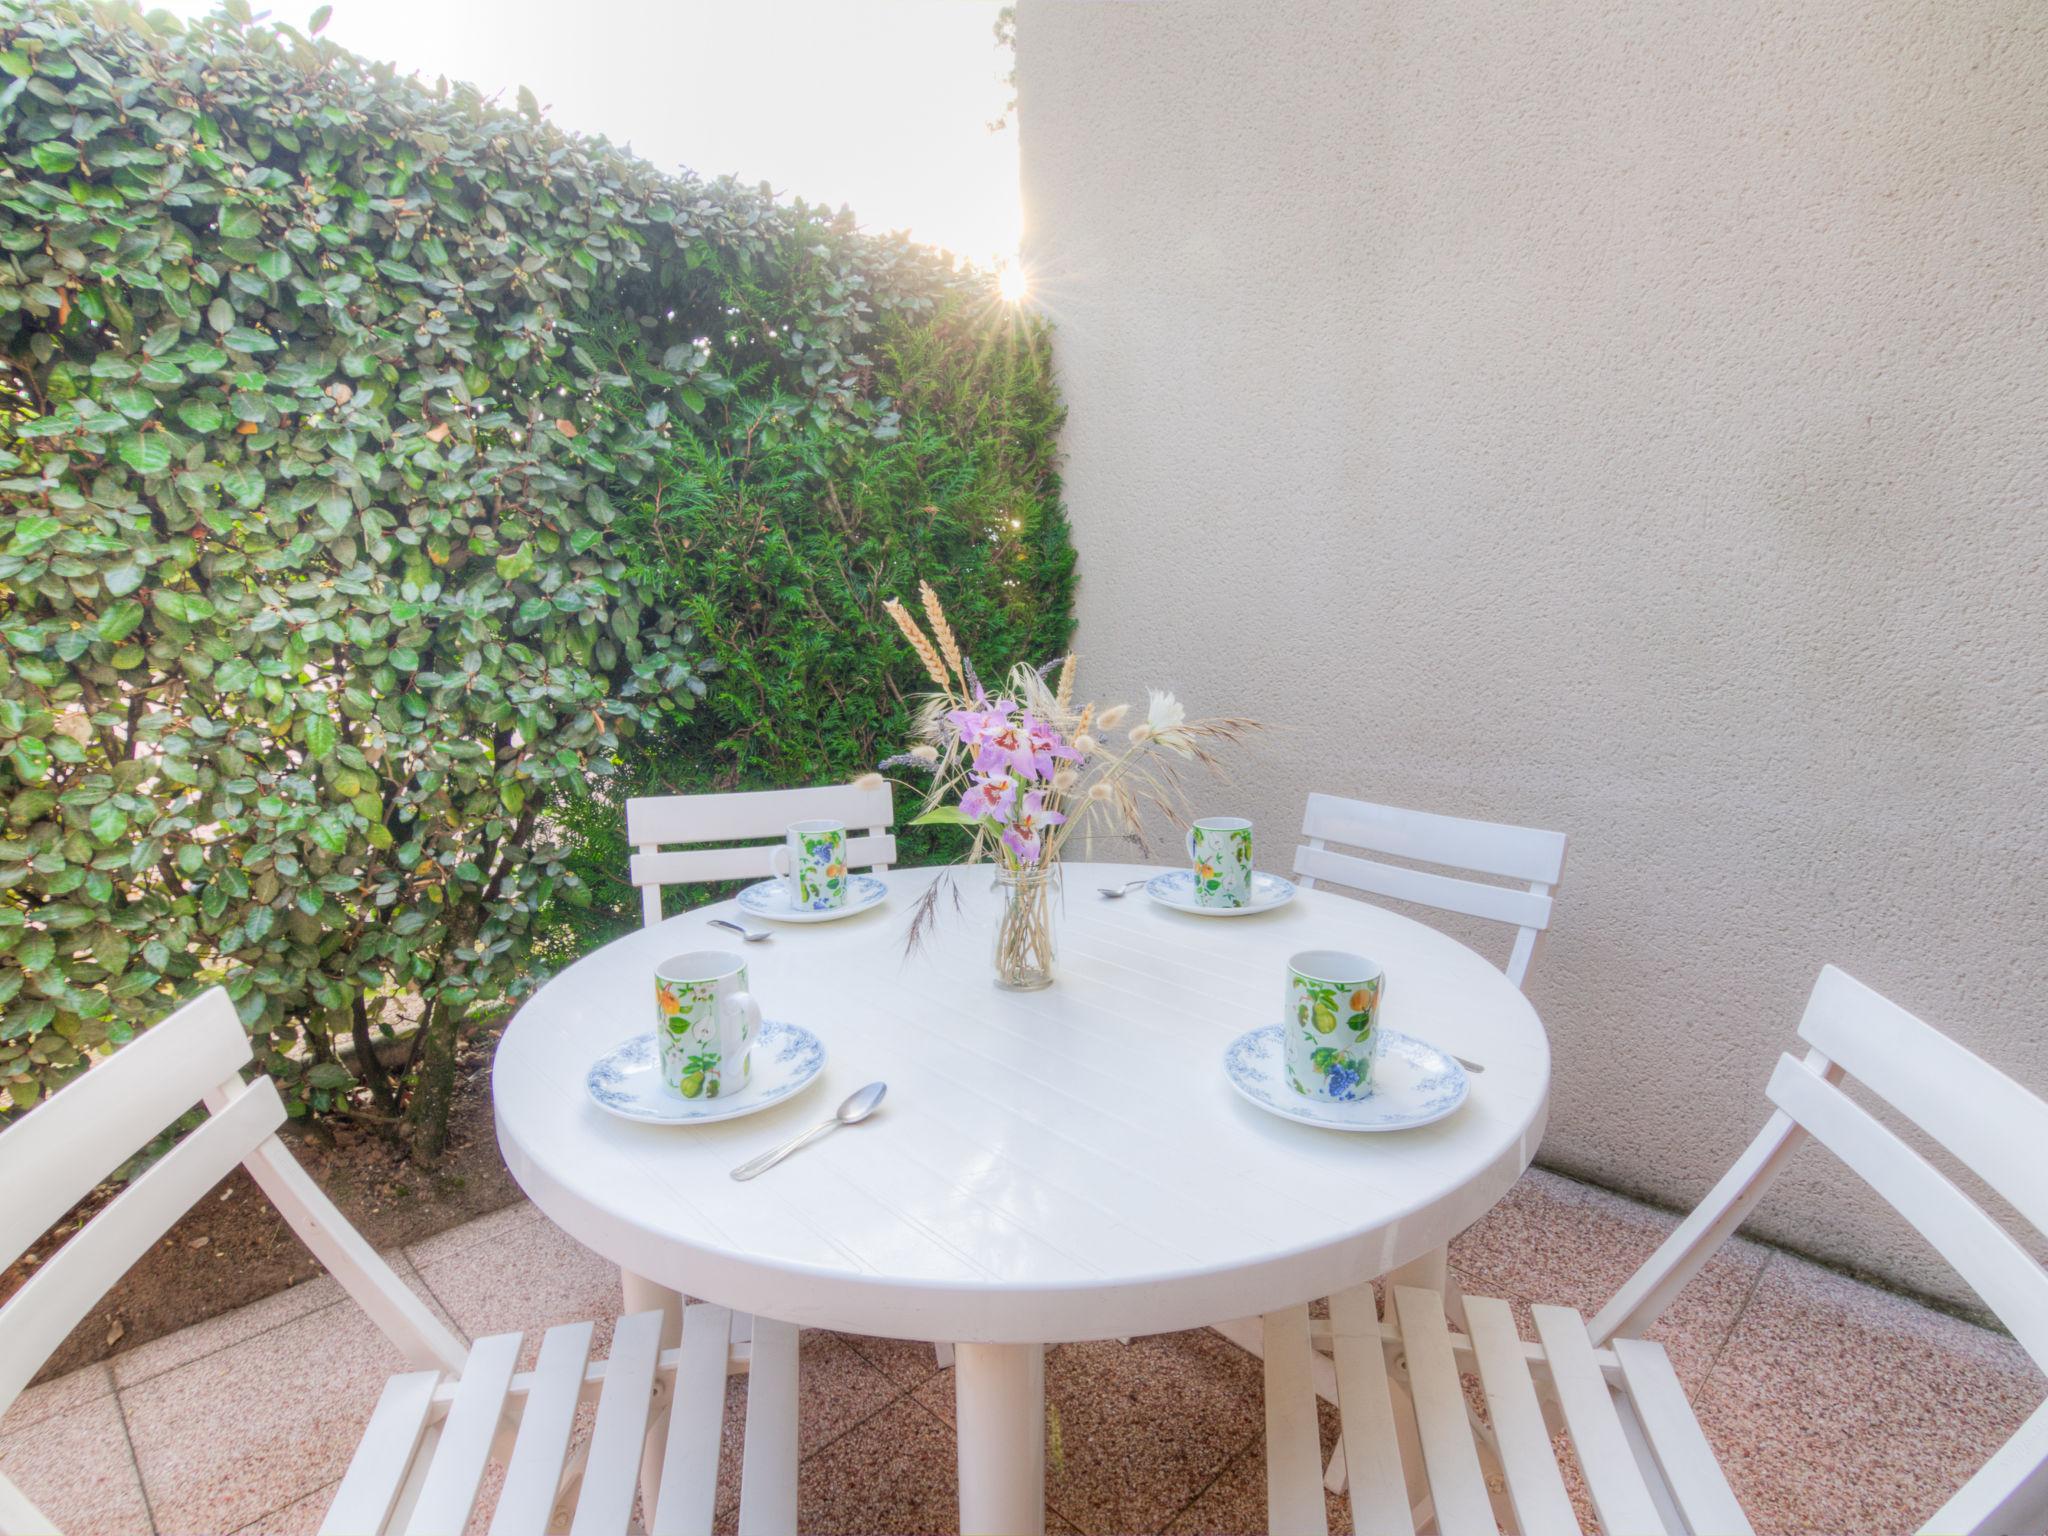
626, 1080
770, 899
1413, 1083
1176, 889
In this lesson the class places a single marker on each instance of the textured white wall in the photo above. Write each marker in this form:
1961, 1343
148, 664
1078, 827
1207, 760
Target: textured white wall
1624, 419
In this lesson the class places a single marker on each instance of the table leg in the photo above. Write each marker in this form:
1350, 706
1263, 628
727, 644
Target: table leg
1432, 1272
999, 1409
644, 1295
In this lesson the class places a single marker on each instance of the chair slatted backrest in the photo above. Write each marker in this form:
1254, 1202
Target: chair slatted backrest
1526, 854
1981, 1117
59, 1152
737, 818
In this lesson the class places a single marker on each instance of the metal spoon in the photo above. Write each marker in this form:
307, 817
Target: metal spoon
858, 1106
1119, 892
746, 933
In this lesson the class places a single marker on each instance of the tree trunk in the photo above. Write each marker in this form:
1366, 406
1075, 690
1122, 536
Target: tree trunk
433, 1093
369, 1065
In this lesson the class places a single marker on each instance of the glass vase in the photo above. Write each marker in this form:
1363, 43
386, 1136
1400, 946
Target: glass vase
1024, 941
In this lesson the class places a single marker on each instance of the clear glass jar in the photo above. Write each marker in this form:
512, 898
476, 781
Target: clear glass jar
1024, 937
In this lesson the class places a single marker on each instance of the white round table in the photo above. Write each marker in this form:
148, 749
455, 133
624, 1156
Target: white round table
1056, 1165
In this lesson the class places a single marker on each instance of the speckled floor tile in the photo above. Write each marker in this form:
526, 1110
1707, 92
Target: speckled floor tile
301, 1517
54, 1397
76, 1468
526, 1278
1235, 1500
1559, 1241
893, 1474
188, 1344
296, 1397
1839, 1407
499, 1226
836, 1391
1835, 1406
1140, 1428
906, 1362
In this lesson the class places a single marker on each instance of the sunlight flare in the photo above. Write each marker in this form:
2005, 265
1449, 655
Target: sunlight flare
1013, 282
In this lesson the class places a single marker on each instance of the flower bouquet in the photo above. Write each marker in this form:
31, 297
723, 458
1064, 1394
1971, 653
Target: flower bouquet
1028, 767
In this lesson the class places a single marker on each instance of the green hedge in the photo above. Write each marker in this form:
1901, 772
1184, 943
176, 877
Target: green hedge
339, 423
779, 534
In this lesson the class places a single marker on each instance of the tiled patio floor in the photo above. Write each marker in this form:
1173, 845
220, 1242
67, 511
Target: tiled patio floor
1836, 1407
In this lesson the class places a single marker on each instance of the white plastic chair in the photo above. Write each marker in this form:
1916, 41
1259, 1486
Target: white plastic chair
1525, 854
1483, 847
730, 818
733, 818
420, 1463
1419, 1455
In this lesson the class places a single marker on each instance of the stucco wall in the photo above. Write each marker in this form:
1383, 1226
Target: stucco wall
1624, 419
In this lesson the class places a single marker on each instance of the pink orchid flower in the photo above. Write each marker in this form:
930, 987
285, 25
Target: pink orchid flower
999, 741
1022, 837
1007, 749
1046, 746
1024, 746
1023, 844
980, 718
993, 797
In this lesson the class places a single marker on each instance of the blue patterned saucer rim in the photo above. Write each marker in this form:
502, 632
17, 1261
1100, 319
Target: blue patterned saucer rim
626, 1080
1414, 1084
1176, 889
770, 899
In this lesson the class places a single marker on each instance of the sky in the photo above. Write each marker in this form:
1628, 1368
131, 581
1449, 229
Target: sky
879, 104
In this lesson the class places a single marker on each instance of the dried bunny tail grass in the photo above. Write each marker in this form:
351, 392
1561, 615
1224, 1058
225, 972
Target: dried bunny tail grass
918, 643
1065, 780
949, 644
870, 781
1140, 734
1063, 695
1101, 793
925, 754
1113, 716
1086, 745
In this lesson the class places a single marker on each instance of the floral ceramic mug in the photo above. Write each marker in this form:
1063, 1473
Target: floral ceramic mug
812, 864
1220, 848
1331, 1027
705, 1024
